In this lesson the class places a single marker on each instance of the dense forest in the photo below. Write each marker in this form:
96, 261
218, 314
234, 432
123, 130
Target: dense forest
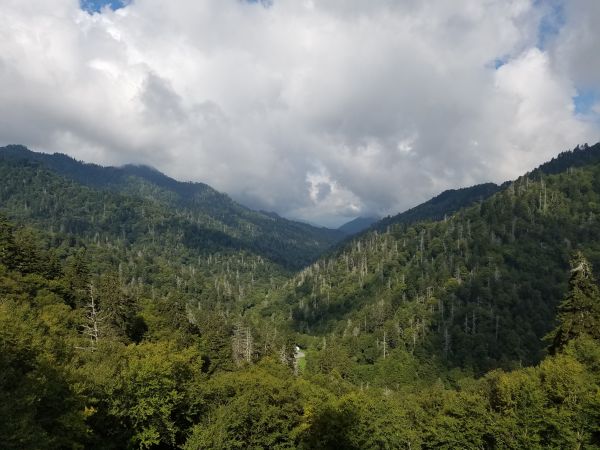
478, 289
69, 196
140, 312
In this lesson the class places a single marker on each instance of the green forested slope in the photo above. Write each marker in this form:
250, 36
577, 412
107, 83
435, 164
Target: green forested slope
450, 201
440, 206
221, 222
126, 324
84, 363
182, 270
357, 225
477, 290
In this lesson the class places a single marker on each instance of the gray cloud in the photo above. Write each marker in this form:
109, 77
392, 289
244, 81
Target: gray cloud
577, 45
319, 110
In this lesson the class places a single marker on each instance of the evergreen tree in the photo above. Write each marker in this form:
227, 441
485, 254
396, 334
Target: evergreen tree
579, 313
7, 243
121, 309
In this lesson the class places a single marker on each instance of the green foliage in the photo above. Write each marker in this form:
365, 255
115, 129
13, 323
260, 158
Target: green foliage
141, 393
445, 204
126, 324
477, 290
132, 201
579, 313
551, 406
122, 317
8, 248
360, 420
258, 408
38, 407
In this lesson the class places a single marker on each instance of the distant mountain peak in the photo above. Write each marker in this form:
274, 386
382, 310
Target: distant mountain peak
445, 203
357, 225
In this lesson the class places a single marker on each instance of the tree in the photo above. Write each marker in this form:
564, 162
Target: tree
144, 395
77, 277
38, 406
242, 344
579, 313
7, 243
120, 309
94, 326
257, 407
360, 420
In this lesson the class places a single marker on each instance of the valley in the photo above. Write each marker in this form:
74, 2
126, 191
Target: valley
137, 311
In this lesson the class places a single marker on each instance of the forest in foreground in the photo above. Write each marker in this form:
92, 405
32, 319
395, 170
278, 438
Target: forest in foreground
140, 312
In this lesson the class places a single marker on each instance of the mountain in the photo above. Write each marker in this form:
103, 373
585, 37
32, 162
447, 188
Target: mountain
580, 156
110, 370
452, 200
291, 244
477, 288
357, 225
138, 312
436, 208
444, 204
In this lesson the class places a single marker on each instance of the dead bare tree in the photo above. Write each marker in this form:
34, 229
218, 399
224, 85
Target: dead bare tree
94, 316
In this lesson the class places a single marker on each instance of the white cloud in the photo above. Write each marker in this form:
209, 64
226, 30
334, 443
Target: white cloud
318, 110
577, 47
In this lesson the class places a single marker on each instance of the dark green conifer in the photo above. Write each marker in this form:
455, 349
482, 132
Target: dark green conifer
7, 243
579, 313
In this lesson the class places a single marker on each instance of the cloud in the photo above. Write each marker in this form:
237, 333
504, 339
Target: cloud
574, 55
577, 45
320, 111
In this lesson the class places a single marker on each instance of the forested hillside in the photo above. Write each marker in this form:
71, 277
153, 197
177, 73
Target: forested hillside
52, 188
440, 206
85, 363
450, 201
127, 322
357, 225
476, 290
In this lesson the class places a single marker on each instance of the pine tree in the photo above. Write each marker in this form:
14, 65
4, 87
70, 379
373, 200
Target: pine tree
579, 313
120, 308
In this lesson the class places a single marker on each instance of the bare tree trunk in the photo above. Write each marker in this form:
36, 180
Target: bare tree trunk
94, 318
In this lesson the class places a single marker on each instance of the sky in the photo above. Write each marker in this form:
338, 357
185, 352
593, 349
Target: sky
319, 110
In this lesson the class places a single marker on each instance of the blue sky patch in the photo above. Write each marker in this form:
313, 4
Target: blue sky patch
495, 64
585, 100
552, 22
265, 3
93, 6
499, 62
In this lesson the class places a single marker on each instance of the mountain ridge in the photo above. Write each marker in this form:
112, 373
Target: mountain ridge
357, 225
451, 283
112, 302
451, 200
275, 235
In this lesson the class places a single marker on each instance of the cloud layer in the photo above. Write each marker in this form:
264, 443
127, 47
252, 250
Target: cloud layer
320, 110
